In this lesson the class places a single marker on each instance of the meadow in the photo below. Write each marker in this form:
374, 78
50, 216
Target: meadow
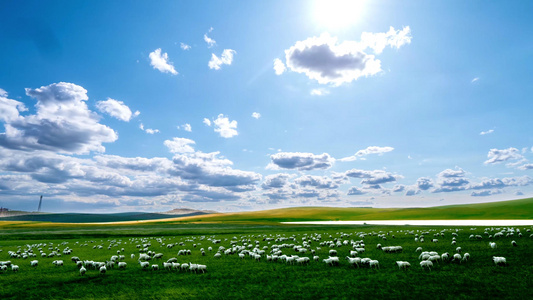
232, 277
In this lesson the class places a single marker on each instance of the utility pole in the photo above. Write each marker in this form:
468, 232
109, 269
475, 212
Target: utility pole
40, 202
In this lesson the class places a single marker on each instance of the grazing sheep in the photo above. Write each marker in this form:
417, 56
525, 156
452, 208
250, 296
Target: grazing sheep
426, 264
14, 268
403, 265
316, 258
466, 256
122, 265
184, 266
457, 257
144, 264
57, 263
458, 249
493, 245
82, 271
499, 260
158, 256
132, 256
34, 263
175, 265
514, 243
354, 261
374, 263
167, 266
419, 249
155, 267
202, 268
445, 256
103, 269
332, 252
193, 267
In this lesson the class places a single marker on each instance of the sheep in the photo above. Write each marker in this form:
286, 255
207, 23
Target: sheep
57, 263
458, 249
466, 256
374, 263
426, 264
514, 243
355, 261
353, 253
332, 252
122, 265
175, 265
217, 255
202, 268
132, 256
82, 271
493, 245
193, 267
34, 263
103, 269
167, 266
457, 257
158, 256
302, 260
3, 268
419, 249
144, 264
445, 256
14, 268
403, 264
499, 260
435, 240
155, 267
316, 258
184, 266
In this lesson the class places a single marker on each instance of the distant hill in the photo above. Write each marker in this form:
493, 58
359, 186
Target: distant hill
513, 209
91, 218
187, 211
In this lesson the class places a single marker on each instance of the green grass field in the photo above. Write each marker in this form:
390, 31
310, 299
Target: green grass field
230, 277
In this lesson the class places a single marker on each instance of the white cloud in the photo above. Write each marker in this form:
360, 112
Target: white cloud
369, 150
160, 62
319, 182
187, 127
526, 167
424, 183
3, 93
329, 62
148, 130
210, 42
451, 181
225, 127
485, 193
475, 79
225, 59
496, 156
62, 122
355, 191
319, 92
393, 38
374, 177
180, 145
279, 66
300, 161
116, 109
276, 181
486, 132
207, 122
184, 46
256, 115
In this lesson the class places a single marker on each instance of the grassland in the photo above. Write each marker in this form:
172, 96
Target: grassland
230, 277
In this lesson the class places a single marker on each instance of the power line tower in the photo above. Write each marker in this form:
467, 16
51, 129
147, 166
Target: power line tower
40, 202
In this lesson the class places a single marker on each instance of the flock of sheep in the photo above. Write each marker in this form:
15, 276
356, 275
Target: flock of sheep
295, 249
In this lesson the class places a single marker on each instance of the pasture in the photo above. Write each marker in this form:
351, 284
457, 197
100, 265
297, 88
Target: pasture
232, 277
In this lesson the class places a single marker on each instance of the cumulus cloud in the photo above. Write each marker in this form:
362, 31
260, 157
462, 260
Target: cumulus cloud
319, 92
207, 122
116, 109
225, 127
62, 122
355, 191
276, 181
398, 188
451, 181
10, 109
225, 59
412, 192
374, 177
148, 130
210, 42
424, 183
320, 182
369, 150
279, 66
486, 132
256, 115
300, 161
187, 127
497, 183
526, 167
485, 193
393, 38
184, 46
3, 93
325, 60
160, 62
180, 145
496, 156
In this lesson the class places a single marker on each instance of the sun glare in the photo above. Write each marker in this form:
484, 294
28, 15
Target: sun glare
338, 13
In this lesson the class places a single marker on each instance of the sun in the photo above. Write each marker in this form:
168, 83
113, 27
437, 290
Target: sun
337, 14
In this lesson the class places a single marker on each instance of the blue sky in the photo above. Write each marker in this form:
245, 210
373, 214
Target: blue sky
248, 105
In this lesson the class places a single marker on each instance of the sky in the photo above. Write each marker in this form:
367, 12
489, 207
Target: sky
107, 106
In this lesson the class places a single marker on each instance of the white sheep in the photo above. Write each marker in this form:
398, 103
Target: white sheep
144, 264
457, 257
132, 256
193, 267
426, 264
514, 243
403, 264
167, 266
14, 268
374, 263
82, 271
493, 245
466, 256
103, 269
316, 258
184, 266
202, 268
419, 249
499, 260
57, 263
122, 265
155, 267
354, 261
158, 256
175, 265
34, 263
